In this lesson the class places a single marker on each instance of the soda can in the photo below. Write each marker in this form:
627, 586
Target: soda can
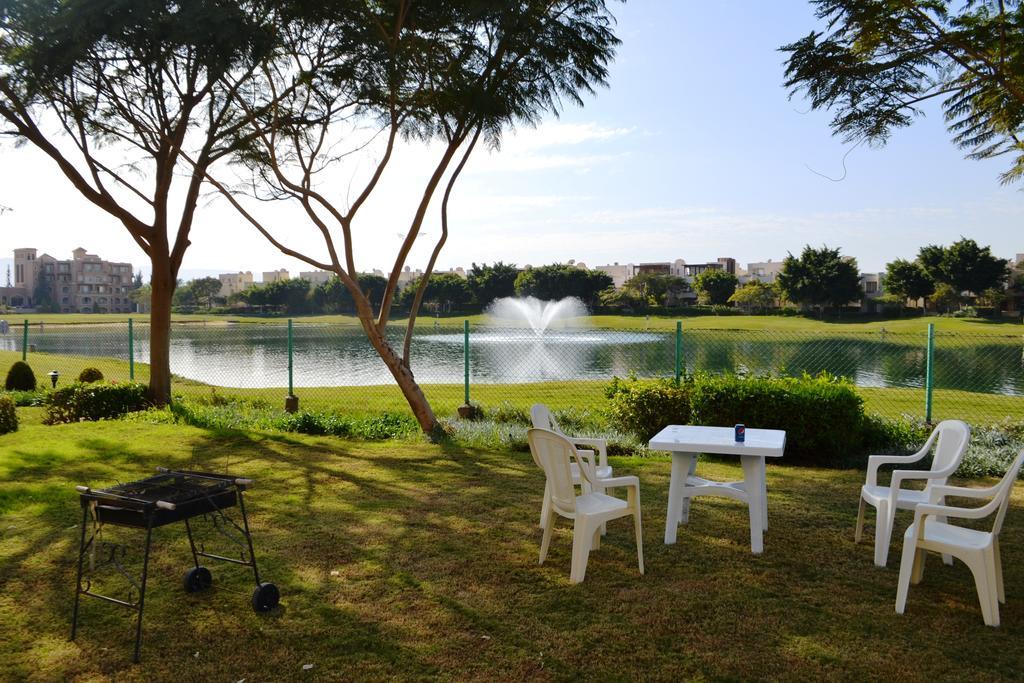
741, 433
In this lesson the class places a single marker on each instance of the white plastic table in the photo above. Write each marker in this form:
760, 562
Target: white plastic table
686, 442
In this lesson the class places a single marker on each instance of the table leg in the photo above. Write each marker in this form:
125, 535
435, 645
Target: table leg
764, 492
680, 466
753, 485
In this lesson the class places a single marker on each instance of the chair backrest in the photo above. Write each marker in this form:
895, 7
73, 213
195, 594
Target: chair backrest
952, 439
1005, 488
542, 418
553, 452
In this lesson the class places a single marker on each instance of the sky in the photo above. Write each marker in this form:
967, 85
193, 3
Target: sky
694, 151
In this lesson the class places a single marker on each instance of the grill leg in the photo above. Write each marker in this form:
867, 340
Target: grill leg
142, 589
248, 536
192, 543
78, 581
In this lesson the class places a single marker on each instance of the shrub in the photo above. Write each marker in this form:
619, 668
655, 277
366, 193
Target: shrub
20, 378
80, 401
90, 375
823, 416
645, 407
27, 398
8, 416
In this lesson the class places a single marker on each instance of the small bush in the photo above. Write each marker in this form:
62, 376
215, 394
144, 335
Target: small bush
90, 375
645, 407
20, 377
8, 416
27, 398
886, 436
79, 402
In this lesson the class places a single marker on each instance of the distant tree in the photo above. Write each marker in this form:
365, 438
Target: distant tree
141, 296
877, 61
558, 281
994, 297
488, 283
930, 257
42, 295
659, 288
755, 296
625, 298
289, 296
333, 296
444, 292
183, 296
945, 298
907, 280
205, 289
970, 268
137, 280
820, 278
715, 286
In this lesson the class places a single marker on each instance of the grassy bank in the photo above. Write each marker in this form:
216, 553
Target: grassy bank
851, 323
445, 398
415, 561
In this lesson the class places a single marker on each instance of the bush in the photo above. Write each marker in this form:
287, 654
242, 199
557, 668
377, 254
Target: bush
80, 401
645, 407
20, 378
27, 398
823, 416
8, 416
90, 375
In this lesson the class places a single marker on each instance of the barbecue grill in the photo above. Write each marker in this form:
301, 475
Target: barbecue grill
168, 497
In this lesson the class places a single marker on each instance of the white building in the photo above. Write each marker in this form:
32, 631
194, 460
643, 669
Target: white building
233, 283
766, 271
275, 276
620, 274
316, 277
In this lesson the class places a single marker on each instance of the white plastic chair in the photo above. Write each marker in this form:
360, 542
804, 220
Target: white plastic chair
979, 550
542, 418
950, 438
590, 510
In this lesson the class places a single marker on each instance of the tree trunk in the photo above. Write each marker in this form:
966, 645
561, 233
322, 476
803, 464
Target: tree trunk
163, 285
406, 382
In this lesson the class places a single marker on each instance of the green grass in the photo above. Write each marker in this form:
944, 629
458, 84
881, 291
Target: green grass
851, 323
445, 398
414, 561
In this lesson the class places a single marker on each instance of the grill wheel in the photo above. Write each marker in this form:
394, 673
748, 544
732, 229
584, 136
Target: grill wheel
265, 597
198, 579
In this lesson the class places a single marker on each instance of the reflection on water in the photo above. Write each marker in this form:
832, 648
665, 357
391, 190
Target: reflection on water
324, 355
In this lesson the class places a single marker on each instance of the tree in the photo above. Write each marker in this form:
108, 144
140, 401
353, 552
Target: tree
444, 292
205, 289
289, 296
930, 257
42, 295
755, 295
660, 289
627, 298
715, 286
451, 71
945, 298
970, 268
878, 61
141, 95
558, 281
820, 278
488, 283
907, 280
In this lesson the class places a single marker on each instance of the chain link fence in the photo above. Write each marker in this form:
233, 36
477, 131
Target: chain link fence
978, 377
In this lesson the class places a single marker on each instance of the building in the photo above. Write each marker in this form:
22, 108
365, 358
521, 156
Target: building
83, 284
620, 274
233, 283
692, 270
275, 276
315, 277
871, 285
765, 271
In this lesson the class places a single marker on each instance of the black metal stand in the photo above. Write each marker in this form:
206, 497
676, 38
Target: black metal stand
148, 516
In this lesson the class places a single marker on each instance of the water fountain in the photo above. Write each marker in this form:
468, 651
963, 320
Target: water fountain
539, 315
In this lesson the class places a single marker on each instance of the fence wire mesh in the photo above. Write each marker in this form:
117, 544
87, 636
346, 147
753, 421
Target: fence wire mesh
978, 377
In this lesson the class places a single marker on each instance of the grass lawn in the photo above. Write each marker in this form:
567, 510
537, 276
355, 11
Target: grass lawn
417, 561
852, 323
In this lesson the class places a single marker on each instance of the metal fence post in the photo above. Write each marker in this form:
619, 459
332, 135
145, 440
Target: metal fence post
679, 350
291, 401
131, 351
465, 358
928, 373
24, 341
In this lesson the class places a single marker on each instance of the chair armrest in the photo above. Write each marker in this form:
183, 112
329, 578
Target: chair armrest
585, 460
939, 492
621, 482
876, 461
927, 509
600, 444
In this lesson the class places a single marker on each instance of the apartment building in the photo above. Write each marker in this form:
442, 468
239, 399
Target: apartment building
275, 276
83, 284
316, 277
764, 271
233, 283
